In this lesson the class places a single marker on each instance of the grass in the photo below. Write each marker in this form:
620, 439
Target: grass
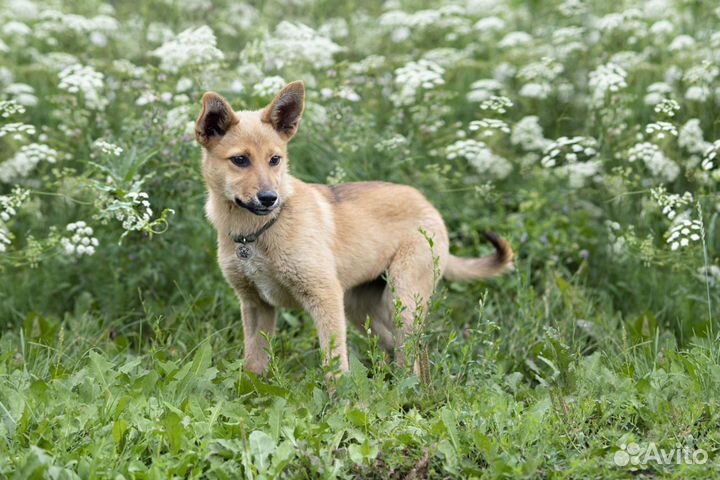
524, 384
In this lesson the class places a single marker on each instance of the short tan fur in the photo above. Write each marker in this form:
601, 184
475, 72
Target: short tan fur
333, 251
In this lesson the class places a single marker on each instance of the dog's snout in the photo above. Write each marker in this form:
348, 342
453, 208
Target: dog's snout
267, 198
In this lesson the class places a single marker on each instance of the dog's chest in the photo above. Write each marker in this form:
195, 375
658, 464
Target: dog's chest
258, 270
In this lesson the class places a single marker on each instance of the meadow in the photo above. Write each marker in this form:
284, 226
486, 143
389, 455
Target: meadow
585, 132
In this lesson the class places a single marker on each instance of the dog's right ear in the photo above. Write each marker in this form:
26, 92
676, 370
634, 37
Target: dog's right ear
215, 120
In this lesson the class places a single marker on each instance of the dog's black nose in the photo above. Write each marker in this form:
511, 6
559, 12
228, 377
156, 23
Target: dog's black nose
267, 198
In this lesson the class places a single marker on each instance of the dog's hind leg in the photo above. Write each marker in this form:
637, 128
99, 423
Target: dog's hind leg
367, 300
412, 278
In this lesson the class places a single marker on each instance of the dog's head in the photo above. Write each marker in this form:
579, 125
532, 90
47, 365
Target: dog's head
245, 158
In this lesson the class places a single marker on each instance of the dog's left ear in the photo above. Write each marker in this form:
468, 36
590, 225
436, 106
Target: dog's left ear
285, 111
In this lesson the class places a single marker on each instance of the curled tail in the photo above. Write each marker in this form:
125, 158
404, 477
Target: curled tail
466, 269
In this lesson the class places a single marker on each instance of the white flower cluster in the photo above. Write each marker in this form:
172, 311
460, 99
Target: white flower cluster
268, 86
700, 78
709, 274
655, 160
87, 81
22, 93
539, 78
656, 93
17, 130
25, 160
135, 212
572, 158
107, 148
671, 202
496, 103
659, 129
54, 21
482, 90
608, 78
691, 137
8, 209
528, 134
489, 126
710, 156
515, 39
295, 43
190, 48
393, 144
685, 231
618, 244
569, 150
667, 106
480, 156
8, 108
81, 242
414, 77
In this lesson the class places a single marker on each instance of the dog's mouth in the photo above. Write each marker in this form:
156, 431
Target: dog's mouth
256, 208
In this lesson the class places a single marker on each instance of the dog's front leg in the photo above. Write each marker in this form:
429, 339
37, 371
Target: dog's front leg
258, 321
325, 305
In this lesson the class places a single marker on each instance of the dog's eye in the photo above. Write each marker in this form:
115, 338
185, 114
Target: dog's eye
241, 161
275, 160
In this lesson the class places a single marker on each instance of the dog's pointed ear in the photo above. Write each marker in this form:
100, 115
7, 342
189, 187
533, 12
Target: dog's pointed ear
215, 120
285, 111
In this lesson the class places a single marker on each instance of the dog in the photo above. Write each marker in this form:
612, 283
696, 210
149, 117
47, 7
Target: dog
340, 252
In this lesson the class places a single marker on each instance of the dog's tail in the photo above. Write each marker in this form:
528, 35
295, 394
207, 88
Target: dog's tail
466, 269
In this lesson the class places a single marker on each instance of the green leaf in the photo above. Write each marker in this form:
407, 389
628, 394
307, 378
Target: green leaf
262, 446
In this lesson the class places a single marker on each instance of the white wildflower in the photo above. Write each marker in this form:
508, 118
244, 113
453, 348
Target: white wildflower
655, 160
515, 39
684, 232
490, 24
17, 131
86, 81
697, 93
657, 92
660, 129
22, 93
710, 156
667, 106
536, 90
482, 90
528, 134
672, 203
709, 274
569, 150
415, 77
107, 147
608, 78
190, 48
25, 160
268, 86
488, 126
682, 42
296, 43
481, 157
691, 138
496, 103
578, 173
81, 242
9, 108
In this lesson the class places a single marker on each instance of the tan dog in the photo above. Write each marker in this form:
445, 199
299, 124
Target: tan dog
343, 251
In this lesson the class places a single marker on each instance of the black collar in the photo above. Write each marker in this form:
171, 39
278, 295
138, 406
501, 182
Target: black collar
244, 239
